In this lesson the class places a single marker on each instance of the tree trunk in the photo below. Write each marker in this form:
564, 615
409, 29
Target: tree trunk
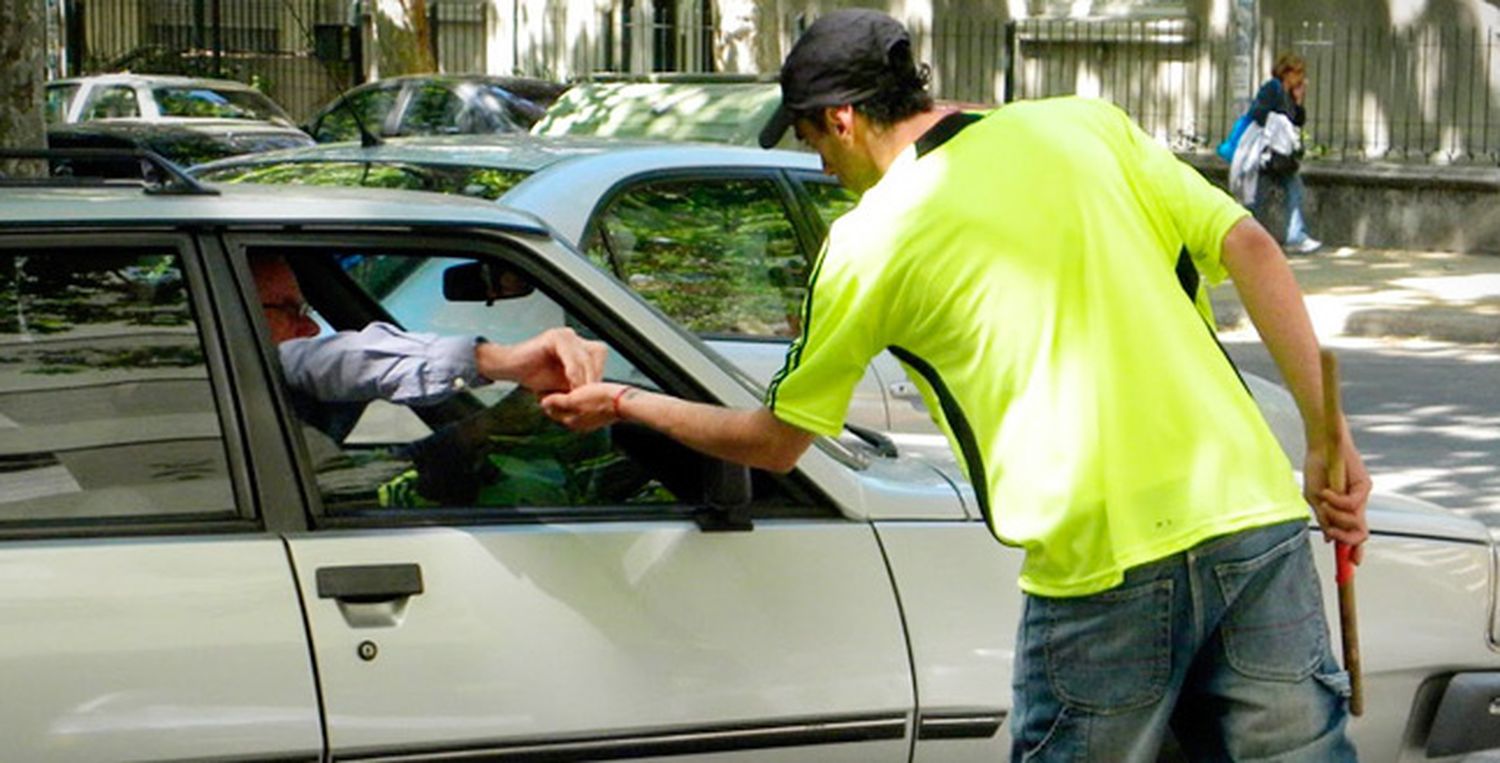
403, 43
22, 45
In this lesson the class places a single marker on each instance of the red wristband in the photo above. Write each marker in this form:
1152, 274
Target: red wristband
615, 403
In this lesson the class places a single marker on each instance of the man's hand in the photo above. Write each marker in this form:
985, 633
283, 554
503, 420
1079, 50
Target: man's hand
556, 360
586, 408
1341, 515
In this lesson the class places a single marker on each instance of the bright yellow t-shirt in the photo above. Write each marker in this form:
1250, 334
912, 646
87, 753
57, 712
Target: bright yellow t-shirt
1023, 272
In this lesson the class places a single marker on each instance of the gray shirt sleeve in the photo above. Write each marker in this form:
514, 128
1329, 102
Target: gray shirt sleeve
380, 362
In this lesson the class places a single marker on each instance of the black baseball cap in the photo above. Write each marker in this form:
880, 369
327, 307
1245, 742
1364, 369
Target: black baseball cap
838, 60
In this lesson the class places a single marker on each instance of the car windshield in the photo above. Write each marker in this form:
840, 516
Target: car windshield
211, 103
480, 182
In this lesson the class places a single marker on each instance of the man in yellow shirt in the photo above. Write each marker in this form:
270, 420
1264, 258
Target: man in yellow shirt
1022, 266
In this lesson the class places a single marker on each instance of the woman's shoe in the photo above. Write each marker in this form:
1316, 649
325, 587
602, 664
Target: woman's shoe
1305, 246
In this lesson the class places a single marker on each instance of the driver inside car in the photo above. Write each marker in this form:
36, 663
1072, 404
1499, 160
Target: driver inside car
332, 377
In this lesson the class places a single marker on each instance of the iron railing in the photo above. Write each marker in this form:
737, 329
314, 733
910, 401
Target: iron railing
1374, 93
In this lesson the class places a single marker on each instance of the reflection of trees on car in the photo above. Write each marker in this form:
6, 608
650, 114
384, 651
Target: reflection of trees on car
484, 183
54, 295
719, 258
216, 104
104, 400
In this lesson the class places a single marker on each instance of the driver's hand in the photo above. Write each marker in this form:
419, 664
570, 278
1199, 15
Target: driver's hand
1340, 515
556, 360
586, 408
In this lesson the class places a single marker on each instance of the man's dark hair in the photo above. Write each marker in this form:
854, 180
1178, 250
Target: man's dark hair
902, 89
900, 92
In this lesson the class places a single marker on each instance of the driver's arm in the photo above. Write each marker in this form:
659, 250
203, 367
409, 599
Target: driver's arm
383, 362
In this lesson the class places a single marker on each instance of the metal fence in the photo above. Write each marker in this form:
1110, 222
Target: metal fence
1425, 94
1373, 93
297, 51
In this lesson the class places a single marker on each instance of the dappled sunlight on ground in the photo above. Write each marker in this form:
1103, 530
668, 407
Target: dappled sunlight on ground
1377, 293
1426, 417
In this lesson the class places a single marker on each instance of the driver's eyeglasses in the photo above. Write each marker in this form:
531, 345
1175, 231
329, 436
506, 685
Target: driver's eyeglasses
289, 309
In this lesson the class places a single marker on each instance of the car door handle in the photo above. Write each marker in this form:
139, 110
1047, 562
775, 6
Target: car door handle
369, 583
905, 390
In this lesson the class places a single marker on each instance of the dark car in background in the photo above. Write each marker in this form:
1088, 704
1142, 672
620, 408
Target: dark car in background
188, 120
436, 104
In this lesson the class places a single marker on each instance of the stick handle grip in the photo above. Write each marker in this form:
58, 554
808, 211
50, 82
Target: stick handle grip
1338, 480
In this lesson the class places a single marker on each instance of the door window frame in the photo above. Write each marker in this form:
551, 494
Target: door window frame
551, 279
793, 203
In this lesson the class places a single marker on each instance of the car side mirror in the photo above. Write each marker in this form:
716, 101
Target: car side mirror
726, 497
483, 282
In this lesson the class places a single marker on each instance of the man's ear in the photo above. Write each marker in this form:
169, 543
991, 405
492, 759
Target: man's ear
839, 120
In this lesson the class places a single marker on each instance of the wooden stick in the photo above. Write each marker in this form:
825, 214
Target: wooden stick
1338, 481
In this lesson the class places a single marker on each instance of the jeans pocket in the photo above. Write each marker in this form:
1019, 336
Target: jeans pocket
1274, 628
1110, 652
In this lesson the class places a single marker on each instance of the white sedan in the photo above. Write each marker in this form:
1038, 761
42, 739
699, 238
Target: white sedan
189, 572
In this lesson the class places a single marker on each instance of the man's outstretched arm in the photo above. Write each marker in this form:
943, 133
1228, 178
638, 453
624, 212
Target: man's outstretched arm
750, 437
1273, 301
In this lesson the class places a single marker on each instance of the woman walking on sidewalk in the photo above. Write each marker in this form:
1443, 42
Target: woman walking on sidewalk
1283, 94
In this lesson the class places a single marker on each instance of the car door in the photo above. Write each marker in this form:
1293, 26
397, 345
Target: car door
725, 254
547, 595
146, 612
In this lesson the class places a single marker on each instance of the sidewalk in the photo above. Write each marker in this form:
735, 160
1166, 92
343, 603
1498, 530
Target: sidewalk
1388, 293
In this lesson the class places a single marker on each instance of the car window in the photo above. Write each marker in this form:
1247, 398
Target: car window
371, 107
433, 110
113, 102
106, 409
830, 198
210, 103
481, 447
504, 111
59, 99
720, 256
353, 174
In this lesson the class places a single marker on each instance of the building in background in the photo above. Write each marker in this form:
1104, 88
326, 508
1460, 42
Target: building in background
1391, 79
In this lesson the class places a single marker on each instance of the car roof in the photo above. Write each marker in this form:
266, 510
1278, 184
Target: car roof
37, 206
568, 173
532, 153
155, 79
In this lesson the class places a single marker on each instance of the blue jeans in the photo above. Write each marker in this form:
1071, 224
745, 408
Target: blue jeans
1292, 192
1225, 643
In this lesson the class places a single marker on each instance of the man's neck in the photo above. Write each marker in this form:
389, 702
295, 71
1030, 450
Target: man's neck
888, 144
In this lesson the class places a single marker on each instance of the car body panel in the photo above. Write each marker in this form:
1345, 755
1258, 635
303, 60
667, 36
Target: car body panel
616, 631
153, 649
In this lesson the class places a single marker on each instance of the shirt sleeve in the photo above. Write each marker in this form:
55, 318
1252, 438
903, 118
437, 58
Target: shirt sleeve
839, 336
1200, 212
380, 362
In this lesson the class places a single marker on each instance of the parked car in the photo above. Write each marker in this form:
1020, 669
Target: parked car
185, 119
720, 238
436, 104
186, 573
